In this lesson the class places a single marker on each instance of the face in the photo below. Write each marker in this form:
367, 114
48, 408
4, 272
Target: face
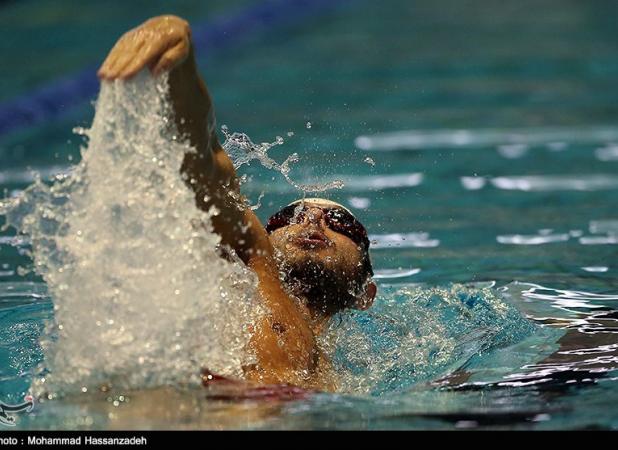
318, 261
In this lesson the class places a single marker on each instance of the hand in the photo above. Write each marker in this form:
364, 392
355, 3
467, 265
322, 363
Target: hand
160, 43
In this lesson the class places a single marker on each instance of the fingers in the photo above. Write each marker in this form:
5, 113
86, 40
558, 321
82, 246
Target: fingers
148, 53
171, 58
118, 67
104, 71
109, 68
160, 43
126, 64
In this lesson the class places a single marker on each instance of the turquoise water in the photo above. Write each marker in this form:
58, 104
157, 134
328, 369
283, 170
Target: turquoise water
492, 133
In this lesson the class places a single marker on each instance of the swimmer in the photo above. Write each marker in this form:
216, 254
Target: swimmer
312, 257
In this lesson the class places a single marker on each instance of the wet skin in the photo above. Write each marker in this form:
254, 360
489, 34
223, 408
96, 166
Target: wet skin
320, 264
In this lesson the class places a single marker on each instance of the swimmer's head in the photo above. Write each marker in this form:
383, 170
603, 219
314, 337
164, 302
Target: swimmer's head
323, 251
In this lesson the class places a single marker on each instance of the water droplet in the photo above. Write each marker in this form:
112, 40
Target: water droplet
111, 270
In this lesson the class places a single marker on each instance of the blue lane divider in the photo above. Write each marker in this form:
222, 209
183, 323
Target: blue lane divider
54, 99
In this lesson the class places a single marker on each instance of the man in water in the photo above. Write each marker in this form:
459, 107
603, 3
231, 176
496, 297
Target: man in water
311, 259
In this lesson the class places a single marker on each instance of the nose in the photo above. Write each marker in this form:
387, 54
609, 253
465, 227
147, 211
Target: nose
314, 216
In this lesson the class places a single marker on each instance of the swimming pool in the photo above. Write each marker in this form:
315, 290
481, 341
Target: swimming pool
492, 163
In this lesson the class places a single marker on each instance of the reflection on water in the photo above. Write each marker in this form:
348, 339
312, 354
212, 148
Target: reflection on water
454, 345
511, 141
380, 241
423, 357
518, 239
597, 182
607, 153
603, 232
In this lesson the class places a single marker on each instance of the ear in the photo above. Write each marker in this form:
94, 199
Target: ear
365, 300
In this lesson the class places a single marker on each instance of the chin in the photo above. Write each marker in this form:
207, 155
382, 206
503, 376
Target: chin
313, 270
315, 267
308, 266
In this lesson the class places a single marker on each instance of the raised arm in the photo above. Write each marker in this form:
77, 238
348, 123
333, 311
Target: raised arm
164, 44
284, 344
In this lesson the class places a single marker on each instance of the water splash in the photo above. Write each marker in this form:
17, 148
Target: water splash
141, 297
123, 251
242, 150
370, 161
414, 334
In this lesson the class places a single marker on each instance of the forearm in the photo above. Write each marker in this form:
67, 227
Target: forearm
284, 344
193, 110
282, 341
208, 169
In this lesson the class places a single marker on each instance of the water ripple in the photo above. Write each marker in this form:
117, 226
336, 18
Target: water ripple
467, 138
603, 232
566, 298
607, 153
598, 240
395, 273
544, 183
350, 183
520, 239
402, 240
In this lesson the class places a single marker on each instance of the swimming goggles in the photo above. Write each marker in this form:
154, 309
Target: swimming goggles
337, 219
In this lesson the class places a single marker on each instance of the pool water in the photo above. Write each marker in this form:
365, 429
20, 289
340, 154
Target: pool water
477, 145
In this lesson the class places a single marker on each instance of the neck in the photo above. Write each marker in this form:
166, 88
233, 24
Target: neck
319, 297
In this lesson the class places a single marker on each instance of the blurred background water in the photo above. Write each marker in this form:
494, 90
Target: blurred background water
477, 143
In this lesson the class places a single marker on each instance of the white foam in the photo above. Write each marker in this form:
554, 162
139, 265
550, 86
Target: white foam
141, 297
